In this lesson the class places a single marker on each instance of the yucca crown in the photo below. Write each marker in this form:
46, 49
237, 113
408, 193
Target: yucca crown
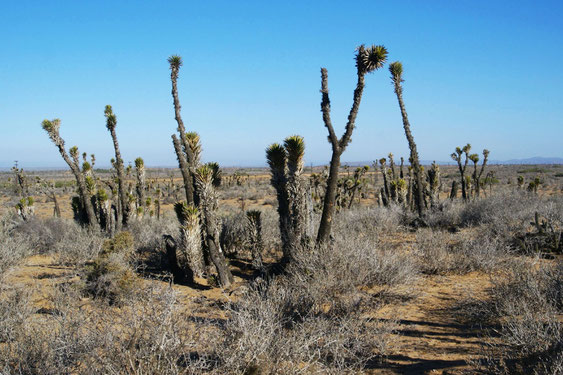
276, 156
371, 58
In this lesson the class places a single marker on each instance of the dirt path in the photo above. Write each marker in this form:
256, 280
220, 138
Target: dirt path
432, 340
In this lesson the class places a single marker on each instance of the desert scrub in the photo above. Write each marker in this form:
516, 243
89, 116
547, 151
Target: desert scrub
13, 246
526, 304
110, 275
441, 252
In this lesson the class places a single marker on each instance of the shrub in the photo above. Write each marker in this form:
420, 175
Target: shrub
526, 304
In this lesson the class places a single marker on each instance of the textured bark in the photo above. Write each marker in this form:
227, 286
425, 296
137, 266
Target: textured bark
57, 208
186, 175
188, 179
254, 226
208, 207
123, 210
418, 189
141, 183
180, 275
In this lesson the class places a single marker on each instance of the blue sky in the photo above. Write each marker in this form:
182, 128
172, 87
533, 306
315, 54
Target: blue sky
485, 72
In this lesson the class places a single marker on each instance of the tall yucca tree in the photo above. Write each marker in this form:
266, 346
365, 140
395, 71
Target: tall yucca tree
208, 207
297, 192
181, 146
479, 175
396, 70
123, 207
367, 60
52, 128
276, 156
462, 166
141, 182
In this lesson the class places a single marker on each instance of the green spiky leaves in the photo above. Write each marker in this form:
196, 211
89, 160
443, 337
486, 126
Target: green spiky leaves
371, 58
185, 213
295, 151
139, 163
474, 158
175, 62
111, 119
51, 127
204, 174
396, 70
276, 156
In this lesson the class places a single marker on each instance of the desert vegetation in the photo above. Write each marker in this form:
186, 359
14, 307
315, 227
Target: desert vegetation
280, 270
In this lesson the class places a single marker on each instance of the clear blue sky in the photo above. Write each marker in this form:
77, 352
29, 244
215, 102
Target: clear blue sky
485, 72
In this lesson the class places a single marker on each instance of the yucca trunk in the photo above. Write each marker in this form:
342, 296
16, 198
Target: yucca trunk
254, 227
367, 60
123, 211
208, 207
187, 173
141, 182
190, 238
396, 69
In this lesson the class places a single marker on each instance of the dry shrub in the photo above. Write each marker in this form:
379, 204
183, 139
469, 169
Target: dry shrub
311, 319
147, 334
110, 276
442, 252
526, 305
13, 246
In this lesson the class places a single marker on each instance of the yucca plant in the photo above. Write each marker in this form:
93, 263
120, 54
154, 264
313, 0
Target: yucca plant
208, 208
123, 211
462, 165
396, 70
386, 190
367, 60
25, 208
434, 183
286, 166
141, 182
83, 204
276, 156
190, 239
477, 175
254, 226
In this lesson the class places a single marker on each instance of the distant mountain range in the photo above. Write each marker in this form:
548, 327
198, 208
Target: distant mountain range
532, 161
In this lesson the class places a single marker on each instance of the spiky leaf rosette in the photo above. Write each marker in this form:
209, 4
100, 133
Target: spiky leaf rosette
52, 129
474, 158
74, 153
217, 173
382, 161
371, 58
276, 156
175, 62
396, 70
295, 151
204, 174
253, 215
195, 145
186, 213
139, 163
111, 120
101, 195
